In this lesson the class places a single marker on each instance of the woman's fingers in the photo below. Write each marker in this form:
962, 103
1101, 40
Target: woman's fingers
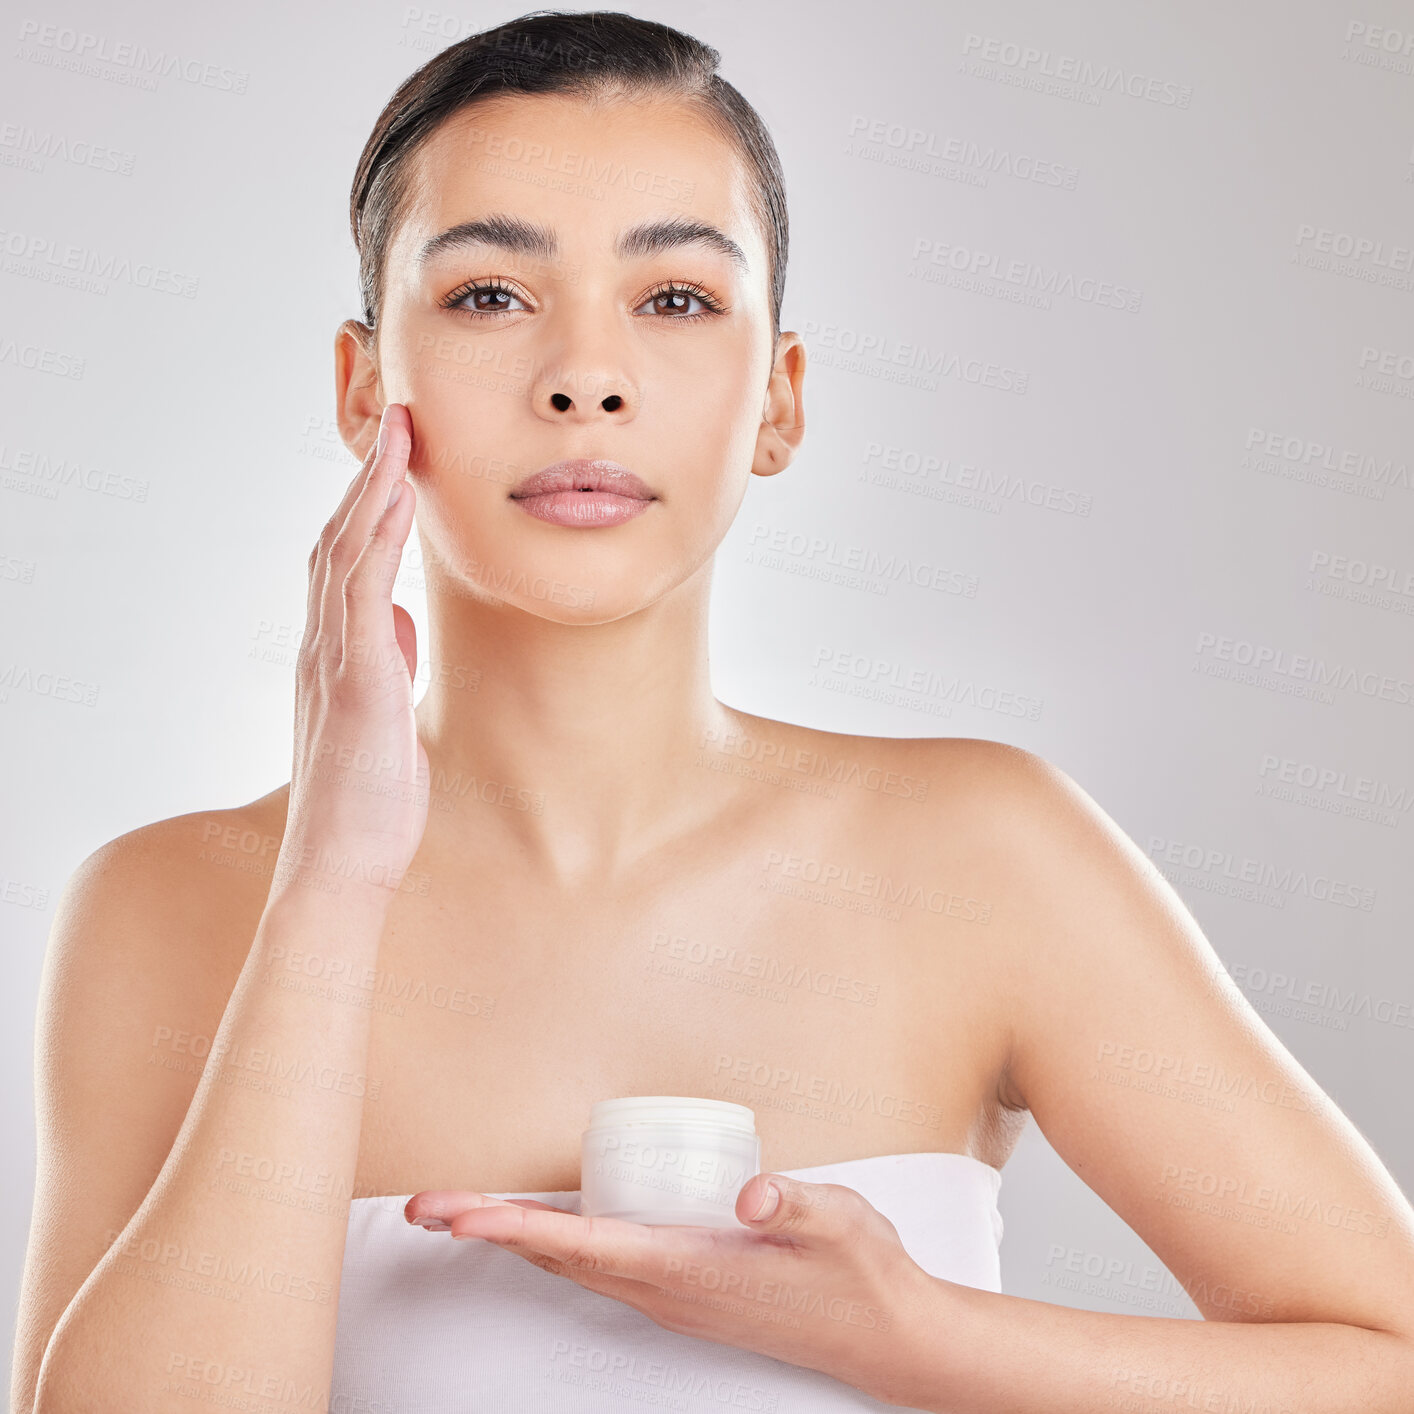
370, 632
369, 502
445, 1203
359, 772
319, 555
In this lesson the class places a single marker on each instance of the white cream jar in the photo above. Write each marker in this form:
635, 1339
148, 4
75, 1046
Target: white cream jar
663, 1159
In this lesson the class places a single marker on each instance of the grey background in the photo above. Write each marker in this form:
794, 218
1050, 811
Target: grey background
158, 507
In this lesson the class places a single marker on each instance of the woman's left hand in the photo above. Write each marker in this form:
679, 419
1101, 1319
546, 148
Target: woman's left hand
820, 1280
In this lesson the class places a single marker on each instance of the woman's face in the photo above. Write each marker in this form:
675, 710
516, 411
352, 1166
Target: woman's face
655, 355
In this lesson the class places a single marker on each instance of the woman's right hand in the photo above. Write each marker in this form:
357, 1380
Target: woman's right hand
359, 781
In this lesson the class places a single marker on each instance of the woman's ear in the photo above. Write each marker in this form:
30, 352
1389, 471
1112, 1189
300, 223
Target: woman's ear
358, 394
783, 416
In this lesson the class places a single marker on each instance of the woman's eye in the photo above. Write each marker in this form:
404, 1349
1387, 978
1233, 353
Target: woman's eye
485, 299
674, 303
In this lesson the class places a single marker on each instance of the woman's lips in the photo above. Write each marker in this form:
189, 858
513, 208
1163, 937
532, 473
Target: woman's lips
582, 493
582, 508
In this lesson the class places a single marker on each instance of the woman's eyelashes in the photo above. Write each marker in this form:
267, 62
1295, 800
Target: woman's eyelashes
685, 290
473, 291
671, 300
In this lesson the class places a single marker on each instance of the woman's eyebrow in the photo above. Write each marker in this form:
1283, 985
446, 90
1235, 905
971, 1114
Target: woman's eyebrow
520, 237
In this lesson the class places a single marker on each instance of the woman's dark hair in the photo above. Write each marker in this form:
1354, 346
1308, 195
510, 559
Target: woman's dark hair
556, 51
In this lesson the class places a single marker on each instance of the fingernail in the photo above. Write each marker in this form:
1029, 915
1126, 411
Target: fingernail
382, 434
768, 1203
395, 491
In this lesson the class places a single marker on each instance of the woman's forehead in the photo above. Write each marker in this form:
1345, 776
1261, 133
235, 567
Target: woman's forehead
584, 170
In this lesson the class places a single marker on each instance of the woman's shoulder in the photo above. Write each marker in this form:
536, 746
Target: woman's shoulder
943, 770
151, 931
198, 876
223, 842
990, 811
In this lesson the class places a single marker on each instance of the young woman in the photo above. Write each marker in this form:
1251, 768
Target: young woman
278, 1038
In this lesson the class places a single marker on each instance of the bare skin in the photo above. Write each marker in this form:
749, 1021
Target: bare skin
991, 935
582, 840
602, 708
911, 1001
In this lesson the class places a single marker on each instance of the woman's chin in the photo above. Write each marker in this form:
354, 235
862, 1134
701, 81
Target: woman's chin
556, 599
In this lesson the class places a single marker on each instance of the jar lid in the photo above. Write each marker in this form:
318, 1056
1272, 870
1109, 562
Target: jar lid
672, 1109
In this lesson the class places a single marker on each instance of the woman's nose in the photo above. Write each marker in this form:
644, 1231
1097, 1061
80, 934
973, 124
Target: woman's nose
571, 397
562, 402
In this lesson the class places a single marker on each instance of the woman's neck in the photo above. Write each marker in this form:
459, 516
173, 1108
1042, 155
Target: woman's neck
579, 744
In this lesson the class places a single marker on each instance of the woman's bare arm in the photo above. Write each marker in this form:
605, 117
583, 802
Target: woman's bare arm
226, 1274
221, 1277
